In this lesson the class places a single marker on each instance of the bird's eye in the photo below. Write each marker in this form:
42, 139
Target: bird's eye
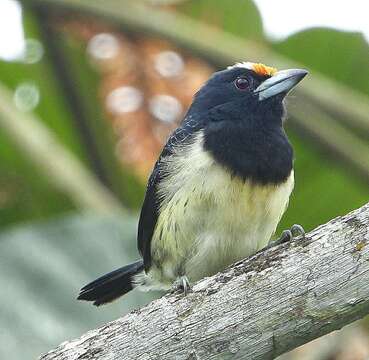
242, 83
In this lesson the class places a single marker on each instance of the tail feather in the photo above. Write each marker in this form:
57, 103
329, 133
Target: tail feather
112, 285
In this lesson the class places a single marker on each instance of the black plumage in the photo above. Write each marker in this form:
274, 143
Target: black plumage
111, 285
150, 208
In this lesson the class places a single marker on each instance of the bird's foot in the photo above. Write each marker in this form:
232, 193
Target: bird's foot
296, 232
182, 284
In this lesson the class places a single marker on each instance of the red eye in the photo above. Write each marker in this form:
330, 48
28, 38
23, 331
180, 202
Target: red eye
242, 84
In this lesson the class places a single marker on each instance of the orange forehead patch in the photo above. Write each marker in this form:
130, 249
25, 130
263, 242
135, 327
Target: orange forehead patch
264, 70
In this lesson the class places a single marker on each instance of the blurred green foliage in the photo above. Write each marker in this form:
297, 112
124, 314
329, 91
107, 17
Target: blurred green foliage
124, 184
41, 269
325, 188
48, 262
343, 56
241, 18
26, 192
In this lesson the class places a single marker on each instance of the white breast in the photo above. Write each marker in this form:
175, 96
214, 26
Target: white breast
210, 219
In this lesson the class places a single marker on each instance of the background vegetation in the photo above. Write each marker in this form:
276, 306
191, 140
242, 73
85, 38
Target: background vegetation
73, 164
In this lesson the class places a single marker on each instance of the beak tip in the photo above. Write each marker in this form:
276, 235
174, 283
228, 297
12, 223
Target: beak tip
304, 72
296, 73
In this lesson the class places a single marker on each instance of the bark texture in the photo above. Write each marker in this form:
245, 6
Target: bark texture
258, 308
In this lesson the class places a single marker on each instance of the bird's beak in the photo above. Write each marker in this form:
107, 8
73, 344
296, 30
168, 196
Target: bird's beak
280, 83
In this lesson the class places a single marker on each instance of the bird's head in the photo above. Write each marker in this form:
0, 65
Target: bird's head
247, 92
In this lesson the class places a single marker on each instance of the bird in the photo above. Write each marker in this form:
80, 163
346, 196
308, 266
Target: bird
219, 187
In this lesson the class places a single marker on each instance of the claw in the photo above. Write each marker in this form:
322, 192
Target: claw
298, 232
182, 284
185, 285
285, 237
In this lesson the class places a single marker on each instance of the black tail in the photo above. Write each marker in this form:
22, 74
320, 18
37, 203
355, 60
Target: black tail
112, 285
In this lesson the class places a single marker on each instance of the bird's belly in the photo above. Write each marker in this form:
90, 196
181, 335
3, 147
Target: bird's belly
239, 222
213, 220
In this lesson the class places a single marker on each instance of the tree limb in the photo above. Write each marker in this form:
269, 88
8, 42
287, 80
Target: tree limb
258, 308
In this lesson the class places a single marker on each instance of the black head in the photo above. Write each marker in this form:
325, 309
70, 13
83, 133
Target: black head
241, 111
247, 92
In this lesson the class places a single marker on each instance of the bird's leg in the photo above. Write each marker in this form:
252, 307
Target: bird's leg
181, 284
296, 232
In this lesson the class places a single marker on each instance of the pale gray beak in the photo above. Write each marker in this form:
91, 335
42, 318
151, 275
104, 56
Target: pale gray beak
281, 82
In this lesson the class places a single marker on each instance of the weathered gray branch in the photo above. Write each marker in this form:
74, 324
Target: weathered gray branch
259, 308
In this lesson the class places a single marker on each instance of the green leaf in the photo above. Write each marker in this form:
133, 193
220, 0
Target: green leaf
42, 268
324, 187
52, 109
323, 190
25, 193
240, 17
344, 56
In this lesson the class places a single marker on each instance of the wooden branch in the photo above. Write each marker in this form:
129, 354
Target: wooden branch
259, 308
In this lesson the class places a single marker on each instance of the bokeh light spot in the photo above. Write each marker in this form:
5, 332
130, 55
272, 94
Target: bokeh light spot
103, 46
124, 99
165, 108
26, 96
169, 64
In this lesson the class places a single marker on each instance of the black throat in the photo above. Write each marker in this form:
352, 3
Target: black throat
258, 151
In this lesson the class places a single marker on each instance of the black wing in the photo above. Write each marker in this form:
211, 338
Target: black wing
149, 216
151, 205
